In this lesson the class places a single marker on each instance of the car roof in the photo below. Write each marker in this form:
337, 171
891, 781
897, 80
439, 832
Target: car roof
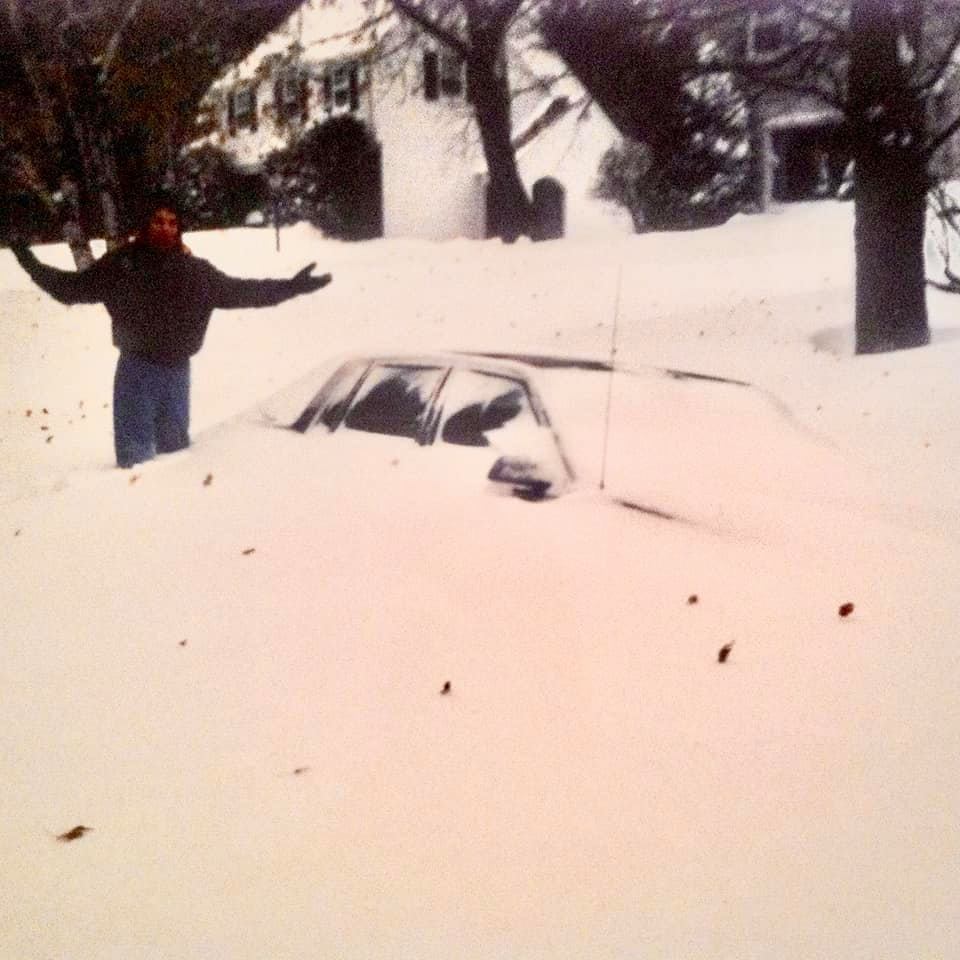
523, 364
488, 363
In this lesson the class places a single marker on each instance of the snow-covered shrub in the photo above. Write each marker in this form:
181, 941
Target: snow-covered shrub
213, 191
331, 178
695, 172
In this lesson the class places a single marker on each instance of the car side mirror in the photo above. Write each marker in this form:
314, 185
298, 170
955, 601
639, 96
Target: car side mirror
527, 478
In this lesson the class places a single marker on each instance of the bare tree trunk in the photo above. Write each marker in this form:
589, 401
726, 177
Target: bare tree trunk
889, 223
887, 123
509, 210
73, 231
90, 122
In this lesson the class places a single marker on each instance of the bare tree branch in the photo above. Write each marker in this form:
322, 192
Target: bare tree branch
32, 73
953, 286
938, 141
133, 9
836, 31
13, 15
940, 68
414, 13
367, 24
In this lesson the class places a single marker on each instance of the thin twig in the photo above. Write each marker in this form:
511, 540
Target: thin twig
413, 13
110, 53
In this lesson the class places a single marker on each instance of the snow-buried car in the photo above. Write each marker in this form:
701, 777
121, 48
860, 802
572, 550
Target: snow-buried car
652, 438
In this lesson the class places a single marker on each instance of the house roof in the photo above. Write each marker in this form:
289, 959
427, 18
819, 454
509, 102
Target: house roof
323, 32
549, 101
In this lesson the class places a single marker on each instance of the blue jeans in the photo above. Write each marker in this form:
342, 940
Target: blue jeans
151, 409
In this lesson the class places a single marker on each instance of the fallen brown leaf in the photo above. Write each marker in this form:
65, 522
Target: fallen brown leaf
845, 610
249, 550
75, 834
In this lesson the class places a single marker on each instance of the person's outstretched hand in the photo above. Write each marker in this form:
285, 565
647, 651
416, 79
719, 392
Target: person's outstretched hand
20, 248
303, 282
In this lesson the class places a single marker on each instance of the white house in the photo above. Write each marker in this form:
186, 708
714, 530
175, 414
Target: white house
338, 58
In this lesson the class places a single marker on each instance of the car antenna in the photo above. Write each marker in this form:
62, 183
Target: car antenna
613, 353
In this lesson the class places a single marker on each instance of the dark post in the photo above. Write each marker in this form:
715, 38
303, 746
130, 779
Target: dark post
276, 182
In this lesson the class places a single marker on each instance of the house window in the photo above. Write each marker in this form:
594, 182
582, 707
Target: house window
290, 94
451, 74
767, 33
341, 88
431, 75
242, 107
442, 74
768, 36
340, 79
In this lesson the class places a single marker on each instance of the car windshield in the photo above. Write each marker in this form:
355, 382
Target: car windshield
393, 400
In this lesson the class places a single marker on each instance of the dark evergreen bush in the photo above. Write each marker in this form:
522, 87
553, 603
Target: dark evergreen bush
331, 177
213, 191
696, 173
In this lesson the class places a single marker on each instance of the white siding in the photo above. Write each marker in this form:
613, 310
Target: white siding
430, 151
433, 167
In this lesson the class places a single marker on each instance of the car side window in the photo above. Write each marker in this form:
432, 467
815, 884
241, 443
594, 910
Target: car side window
393, 400
475, 404
337, 395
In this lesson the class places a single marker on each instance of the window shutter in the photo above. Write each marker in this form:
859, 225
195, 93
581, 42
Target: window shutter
431, 75
328, 91
354, 89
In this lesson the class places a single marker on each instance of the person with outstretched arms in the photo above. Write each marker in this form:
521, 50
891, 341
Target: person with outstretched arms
160, 298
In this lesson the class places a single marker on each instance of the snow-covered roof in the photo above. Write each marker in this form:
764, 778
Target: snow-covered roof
323, 32
804, 117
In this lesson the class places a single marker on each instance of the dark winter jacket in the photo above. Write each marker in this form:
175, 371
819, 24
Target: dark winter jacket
159, 301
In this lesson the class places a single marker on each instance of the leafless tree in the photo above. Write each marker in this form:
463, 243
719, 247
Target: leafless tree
888, 67
476, 30
92, 86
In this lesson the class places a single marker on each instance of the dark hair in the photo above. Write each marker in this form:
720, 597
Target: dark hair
159, 200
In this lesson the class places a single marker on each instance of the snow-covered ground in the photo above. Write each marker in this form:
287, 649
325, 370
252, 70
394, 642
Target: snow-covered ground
596, 785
